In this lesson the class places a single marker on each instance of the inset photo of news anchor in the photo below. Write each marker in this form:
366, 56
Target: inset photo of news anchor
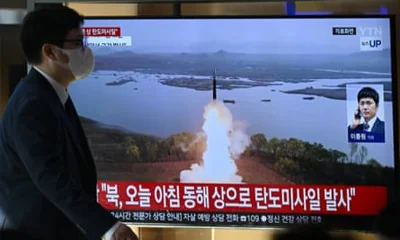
365, 113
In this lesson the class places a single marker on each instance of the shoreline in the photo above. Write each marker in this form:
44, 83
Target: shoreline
335, 94
201, 83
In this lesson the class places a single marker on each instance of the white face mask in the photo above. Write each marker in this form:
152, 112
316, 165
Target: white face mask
81, 62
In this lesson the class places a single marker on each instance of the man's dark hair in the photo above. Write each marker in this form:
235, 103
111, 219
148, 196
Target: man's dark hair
368, 92
387, 223
47, 25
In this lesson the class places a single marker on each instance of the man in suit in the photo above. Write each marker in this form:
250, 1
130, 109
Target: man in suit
368, 105
47, 173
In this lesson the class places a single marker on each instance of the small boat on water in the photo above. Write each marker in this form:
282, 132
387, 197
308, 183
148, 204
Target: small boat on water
229, 101
121, 81
308, 98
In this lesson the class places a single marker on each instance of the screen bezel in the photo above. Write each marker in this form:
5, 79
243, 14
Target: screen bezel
394, 72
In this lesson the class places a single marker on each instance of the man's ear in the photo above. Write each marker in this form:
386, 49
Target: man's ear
48, 51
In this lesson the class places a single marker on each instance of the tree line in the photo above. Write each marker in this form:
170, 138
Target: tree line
300, 161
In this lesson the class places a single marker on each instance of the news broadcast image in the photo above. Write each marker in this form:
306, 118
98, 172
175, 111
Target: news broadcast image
366, 116
238, 122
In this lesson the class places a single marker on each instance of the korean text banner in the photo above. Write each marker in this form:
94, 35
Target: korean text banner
237, 204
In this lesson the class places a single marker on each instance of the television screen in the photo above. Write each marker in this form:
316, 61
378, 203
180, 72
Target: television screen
252, 122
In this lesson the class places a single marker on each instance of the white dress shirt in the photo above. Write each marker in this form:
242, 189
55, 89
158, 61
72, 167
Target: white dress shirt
60, 89
63, 95
370, 124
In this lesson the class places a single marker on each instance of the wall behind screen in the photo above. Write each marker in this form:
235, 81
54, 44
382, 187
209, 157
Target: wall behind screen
11, 54
255, 8
13, 4
10, 51
105, 9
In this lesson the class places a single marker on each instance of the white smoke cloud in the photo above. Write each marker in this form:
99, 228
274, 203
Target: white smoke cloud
188, 145
239, 139
226, 140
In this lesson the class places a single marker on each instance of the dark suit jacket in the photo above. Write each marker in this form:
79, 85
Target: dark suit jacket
379, 127
47, 173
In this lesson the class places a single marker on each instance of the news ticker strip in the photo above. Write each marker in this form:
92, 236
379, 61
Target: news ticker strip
254, 220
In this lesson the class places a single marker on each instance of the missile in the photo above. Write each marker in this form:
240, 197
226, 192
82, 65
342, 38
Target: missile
215, 89
215, 85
